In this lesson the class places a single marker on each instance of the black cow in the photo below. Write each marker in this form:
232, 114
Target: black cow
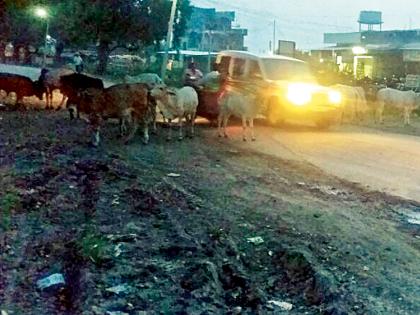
21, 85
73, 84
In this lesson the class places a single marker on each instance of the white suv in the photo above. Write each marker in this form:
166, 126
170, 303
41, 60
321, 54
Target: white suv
285, 86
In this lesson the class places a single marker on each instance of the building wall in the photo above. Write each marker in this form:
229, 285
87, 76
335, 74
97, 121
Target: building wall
390, 55
209, 29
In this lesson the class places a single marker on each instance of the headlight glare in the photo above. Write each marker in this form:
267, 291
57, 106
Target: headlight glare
334, 97
299, 94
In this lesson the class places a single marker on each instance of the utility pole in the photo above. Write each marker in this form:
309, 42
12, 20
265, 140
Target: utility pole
168, 42
210, 49
274, 38
44, 59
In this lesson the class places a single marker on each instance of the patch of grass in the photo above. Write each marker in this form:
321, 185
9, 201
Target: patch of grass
93, 246
8, 203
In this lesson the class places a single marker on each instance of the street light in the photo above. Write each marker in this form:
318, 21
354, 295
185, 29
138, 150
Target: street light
43, 14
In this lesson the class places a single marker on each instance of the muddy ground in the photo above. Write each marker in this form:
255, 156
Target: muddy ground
176, 228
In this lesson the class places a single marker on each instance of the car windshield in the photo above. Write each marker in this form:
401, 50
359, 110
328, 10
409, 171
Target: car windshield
277, 69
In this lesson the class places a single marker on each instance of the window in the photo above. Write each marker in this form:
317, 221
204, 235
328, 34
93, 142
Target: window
254, 70
224, 65
238, 68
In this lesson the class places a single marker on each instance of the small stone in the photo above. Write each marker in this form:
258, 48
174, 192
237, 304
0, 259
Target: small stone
258, 240
366, 268
173, 175
122, 288
284, 306
237, 310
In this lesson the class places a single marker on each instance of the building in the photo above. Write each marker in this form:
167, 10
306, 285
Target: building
375, 54
211, 30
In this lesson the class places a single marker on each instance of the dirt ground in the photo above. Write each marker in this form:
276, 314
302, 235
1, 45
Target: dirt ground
192, 227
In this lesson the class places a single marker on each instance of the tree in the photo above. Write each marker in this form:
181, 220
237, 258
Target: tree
118, 23
108, 24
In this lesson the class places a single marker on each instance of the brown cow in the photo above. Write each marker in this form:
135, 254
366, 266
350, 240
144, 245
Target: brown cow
127, 102
21, 85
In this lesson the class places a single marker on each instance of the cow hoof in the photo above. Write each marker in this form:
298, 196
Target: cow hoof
253, 139
168, 139
244, 139
226, 136
180, 138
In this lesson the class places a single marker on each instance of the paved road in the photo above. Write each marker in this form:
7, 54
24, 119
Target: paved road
382, 161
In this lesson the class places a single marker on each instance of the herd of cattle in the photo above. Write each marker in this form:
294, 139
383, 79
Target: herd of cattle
357, 102
137, 103
134, 103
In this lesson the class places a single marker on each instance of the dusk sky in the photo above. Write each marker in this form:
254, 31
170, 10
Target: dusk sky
305, 21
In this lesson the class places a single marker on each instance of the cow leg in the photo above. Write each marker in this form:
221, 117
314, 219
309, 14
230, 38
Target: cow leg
219, 125
180, 137
154, 118
379, 113
225, 122
407, 116
251, 126
62, 101
192, 124
71, 110
145, 133
122, 127
96, 123
19, 102
47, 99
169, 137
135, 126
244, 128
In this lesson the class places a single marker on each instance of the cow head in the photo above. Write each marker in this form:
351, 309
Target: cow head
159, 91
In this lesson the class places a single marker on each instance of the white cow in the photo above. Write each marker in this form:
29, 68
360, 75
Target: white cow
406, 101
240, 105
177, 103
362, 107
354, 104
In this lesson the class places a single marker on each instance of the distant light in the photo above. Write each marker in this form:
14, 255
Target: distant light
41, 12
321, 60
359, 50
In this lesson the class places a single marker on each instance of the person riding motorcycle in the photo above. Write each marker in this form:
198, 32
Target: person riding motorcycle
192, 75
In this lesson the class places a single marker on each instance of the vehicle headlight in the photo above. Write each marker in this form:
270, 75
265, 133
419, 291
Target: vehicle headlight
299, 94
334, 97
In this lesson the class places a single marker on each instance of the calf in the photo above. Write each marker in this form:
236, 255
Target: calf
73, 84
21, 85
243, 106
407, 101
177, 103
127, 102
151, 80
